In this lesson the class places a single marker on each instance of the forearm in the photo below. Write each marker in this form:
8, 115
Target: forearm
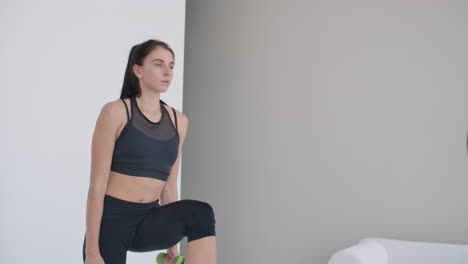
94, 211
169, 195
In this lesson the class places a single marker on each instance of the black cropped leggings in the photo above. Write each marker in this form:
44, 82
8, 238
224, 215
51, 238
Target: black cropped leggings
143, 227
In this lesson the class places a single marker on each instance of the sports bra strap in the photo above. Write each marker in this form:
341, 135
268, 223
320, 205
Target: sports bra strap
126, 109
175, 117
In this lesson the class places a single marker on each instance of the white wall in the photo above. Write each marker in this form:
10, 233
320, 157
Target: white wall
61, 62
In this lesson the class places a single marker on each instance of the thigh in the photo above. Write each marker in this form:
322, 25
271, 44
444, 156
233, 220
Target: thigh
112, 244
164, 226
117, 228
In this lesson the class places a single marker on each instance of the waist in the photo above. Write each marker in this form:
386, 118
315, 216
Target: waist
134, 189
115, 207
108, 199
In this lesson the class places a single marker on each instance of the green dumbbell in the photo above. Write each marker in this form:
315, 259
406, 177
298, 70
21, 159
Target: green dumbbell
177, 260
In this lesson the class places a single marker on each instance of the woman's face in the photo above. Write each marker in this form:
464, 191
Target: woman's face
157, 70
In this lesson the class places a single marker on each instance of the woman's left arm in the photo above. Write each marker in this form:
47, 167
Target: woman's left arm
170, 193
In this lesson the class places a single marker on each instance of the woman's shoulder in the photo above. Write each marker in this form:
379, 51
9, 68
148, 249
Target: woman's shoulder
115, 110
116, 105
181, 117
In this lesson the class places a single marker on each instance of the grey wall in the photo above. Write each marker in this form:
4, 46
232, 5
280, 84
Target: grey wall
316, 123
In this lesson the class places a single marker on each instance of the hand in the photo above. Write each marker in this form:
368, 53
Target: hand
171, 254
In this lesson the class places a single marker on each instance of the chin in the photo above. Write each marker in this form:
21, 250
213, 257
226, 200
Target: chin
161, 89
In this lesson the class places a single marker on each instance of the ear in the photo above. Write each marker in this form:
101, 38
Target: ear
136, 70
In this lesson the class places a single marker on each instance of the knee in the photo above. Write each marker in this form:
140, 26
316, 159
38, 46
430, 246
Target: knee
202, 220
206, 208
200, 210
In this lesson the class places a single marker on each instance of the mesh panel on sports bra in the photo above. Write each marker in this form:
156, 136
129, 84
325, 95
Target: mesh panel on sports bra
164, 129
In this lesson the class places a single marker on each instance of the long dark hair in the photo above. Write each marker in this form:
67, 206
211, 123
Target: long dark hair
131, 86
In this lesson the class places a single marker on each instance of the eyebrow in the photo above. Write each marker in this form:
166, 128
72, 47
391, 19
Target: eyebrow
162, 60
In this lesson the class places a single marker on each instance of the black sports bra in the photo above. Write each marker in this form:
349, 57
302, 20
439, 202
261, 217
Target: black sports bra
145, 148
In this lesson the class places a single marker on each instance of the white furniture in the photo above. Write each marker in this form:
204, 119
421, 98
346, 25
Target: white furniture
389, 251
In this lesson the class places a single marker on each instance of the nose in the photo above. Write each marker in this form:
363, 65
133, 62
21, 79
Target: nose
167, 70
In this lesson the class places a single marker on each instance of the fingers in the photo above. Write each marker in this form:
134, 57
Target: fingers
168, 260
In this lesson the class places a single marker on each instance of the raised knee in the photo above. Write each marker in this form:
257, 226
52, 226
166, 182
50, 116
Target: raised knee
201, 220
206, 207
199, 207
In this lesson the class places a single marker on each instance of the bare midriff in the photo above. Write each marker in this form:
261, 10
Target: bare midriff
134, 189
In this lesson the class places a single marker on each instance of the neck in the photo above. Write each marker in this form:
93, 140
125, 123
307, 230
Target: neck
150, 102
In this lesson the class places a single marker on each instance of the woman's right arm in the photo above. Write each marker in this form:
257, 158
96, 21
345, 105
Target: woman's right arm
101, 158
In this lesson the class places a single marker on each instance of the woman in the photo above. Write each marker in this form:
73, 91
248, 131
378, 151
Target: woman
136, 149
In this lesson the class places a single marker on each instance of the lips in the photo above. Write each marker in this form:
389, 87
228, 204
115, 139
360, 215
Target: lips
165, 81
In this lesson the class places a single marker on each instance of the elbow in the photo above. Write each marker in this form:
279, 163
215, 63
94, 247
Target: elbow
97, 189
